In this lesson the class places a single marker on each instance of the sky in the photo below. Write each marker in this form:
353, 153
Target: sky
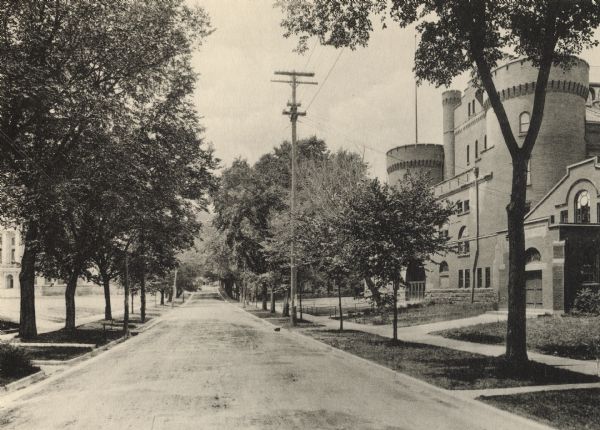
364, 102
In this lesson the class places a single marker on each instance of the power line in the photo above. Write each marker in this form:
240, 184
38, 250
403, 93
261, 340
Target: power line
326, 77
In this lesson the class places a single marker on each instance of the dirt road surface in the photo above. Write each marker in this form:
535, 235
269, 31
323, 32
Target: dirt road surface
210, 365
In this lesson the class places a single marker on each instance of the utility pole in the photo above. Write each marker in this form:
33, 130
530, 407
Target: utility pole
416, 101
293, 113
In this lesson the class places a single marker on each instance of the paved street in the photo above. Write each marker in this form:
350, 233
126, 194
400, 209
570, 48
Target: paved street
210, 365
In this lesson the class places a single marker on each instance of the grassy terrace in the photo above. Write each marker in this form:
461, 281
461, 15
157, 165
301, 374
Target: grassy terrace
568, 410
425, 313
444, 367
281, 321
54, 353
567, 336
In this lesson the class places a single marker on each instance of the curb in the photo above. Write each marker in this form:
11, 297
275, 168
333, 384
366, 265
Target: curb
25, 382
454, 394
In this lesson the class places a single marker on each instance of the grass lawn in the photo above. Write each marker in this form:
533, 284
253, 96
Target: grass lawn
55, 353
569, 409
425, 313
566, 336
281, 321
446, 368
8, 379
92, 333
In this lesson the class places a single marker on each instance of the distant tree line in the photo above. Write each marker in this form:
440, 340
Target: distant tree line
351, 230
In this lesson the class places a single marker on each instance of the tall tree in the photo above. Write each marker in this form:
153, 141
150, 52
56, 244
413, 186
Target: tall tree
465, 35
69, 66
389, 227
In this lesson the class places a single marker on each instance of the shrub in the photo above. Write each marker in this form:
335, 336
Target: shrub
14, 361
587, 301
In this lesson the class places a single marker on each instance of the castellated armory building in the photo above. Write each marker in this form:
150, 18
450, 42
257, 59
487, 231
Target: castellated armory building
473, 169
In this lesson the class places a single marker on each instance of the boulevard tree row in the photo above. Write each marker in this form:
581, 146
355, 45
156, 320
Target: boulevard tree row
102, 163
350, 228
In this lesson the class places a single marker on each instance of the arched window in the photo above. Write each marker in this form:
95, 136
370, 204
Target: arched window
463, 232
524, 122
582, 207
532, 255
443, 268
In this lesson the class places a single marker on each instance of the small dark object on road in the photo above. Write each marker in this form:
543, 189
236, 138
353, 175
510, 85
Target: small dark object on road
277, 328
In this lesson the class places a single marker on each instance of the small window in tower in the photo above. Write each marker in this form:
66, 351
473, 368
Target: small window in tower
485, 142
469, 108
468, 155
524, 122
476, 149
466, 206
529, 172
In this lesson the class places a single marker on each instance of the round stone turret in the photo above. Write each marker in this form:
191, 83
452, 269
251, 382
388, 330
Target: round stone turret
421, 159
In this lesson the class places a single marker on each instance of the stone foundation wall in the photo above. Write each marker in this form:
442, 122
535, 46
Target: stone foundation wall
461, 295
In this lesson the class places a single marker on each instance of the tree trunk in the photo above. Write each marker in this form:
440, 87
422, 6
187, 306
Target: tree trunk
395, 304
516, 336
375, 295
340, 305
264, 297
132, 308
286, 305
272, 300
70, 300
27, 325
107, 306
126, 299
143, 298
300, 291
162, 297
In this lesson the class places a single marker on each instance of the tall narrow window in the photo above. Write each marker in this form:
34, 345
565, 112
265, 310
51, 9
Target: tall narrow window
468, 154
467, 278
582, 207
564, 216
485, 142
473, 109
529, 172
479, 277
488, 277
598, 213
476, 150
460, 279
466, 206
524, 122
469, 108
